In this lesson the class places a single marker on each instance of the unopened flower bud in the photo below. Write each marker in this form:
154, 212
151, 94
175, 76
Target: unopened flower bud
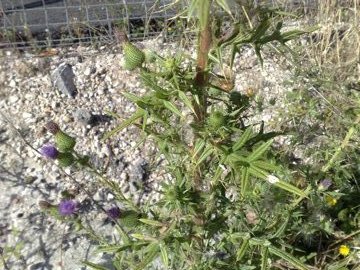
114, 212
64, 142
52, 127
325, 184
44, 205
134, 57
216, 120
65, 159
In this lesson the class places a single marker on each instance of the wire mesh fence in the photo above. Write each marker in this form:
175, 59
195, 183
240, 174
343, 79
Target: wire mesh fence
49, 23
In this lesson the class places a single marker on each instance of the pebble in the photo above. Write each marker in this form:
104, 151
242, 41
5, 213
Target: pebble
87, 71
27, 115
29, 96
63, 77
12, 83
13, 99
83, 116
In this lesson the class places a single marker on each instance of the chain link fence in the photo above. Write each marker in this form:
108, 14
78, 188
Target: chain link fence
50, 23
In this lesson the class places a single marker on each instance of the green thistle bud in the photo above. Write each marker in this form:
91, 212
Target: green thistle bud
129, 219
216, 120
343, 215
134, 57
64, 142
170, 63
169, 66
150, 56
65, 159
50, 209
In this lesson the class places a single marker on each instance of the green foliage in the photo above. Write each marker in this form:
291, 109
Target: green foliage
231, 201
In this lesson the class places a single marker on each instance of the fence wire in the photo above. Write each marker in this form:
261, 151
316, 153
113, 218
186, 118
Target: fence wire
51, 23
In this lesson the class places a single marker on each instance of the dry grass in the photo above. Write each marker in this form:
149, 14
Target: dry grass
336, 45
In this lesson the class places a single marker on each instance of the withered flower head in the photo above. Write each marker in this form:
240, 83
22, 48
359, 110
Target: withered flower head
52, 127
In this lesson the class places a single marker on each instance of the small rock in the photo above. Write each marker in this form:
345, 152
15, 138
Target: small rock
12, 83
26, 115
13, 99
67, 119
83, 116
29, 96
89, 70
24, 69
139, 171
63, 78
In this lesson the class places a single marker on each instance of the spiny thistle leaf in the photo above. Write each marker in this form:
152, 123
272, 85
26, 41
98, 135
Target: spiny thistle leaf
289, 35
206, 153
170, 106
288, 257
143, 237
275, 181
290, 188
186, 101
281, 229
216, 120
264, 258
259, 151
260, 31
243, 139
164, 254
153, 250
137, 115
94, 265
198, 147
244, 181
151, 222
265, 165
242, 250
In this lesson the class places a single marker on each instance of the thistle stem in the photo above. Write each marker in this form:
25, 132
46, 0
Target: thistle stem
201, 79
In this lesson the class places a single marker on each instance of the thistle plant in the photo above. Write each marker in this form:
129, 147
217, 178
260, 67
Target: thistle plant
198, 122
228, 203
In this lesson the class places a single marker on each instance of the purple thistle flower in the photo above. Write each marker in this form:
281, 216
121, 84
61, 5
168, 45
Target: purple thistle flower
49, 151
114, 212
67, 207
325, 184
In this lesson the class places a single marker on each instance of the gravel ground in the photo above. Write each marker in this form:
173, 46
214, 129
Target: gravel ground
28, 100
